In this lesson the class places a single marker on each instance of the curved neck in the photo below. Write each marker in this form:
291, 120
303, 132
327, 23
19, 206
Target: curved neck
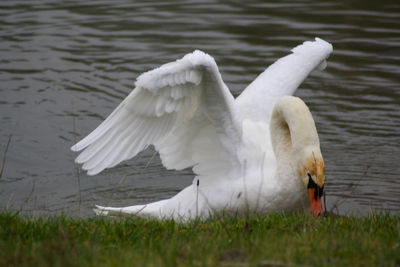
293, 130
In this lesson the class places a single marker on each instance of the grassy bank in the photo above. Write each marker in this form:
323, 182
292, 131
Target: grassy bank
273, 240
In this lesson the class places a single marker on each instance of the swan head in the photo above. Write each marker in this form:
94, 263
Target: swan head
295, 139
312, 172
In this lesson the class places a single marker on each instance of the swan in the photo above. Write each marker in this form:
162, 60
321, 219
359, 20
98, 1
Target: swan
258, 153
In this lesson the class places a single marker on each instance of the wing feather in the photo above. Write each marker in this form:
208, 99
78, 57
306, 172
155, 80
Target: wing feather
169, 108
111, 120
101, 143
112, 149
282, 78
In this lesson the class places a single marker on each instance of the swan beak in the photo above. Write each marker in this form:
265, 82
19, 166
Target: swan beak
315, 200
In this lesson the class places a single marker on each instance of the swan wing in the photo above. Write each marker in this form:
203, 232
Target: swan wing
183, 108
282, 78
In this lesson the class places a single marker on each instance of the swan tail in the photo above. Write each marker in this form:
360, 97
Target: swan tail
149, 210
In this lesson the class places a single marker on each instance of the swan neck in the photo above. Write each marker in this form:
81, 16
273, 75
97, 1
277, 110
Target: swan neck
292, 129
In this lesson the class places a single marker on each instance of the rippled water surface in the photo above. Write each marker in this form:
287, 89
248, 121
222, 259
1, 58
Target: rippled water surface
65, 65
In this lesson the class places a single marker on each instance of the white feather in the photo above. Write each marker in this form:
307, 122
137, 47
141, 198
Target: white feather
282, 78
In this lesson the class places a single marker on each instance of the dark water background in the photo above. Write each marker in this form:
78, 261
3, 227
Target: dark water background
65, 65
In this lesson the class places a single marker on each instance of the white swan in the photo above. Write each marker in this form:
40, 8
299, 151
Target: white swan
259, 152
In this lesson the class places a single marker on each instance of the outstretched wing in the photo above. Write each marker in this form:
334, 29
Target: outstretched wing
183, 108
282, 78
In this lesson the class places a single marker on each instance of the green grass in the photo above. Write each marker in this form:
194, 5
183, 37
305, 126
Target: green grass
273, 240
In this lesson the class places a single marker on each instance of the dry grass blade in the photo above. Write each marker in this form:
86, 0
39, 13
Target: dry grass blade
353, 187
27, 198
261, 183
78, 171
3, 163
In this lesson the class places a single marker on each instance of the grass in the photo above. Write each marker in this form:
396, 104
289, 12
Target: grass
273, 240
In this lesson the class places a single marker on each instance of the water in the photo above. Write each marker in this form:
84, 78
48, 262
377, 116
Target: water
64, 66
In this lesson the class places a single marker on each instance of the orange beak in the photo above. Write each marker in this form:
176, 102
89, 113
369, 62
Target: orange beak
315, 200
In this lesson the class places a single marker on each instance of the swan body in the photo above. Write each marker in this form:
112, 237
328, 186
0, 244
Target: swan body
259, 152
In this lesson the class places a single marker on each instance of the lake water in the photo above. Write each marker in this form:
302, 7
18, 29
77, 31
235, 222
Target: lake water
65, 65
